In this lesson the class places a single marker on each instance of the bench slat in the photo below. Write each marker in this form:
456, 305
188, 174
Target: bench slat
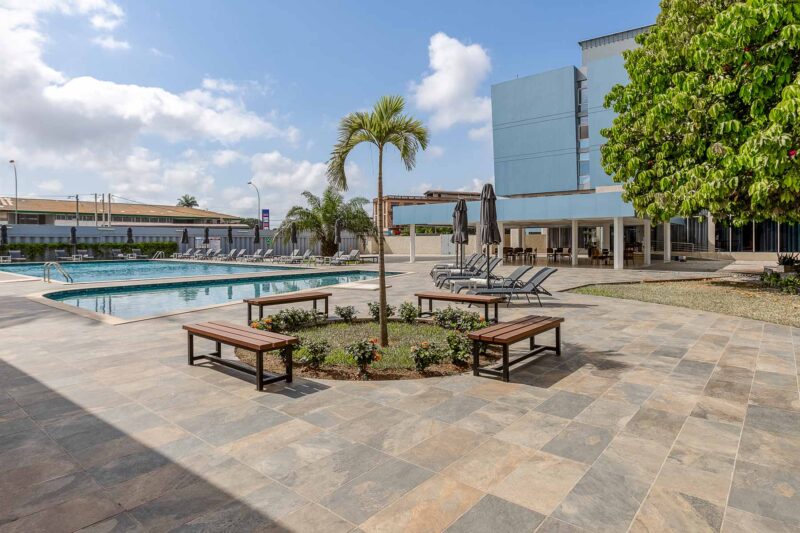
453, 297
288, 298
516, 330
240, 336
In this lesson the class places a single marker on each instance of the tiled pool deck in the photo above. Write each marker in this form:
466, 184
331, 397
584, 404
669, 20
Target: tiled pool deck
654, 419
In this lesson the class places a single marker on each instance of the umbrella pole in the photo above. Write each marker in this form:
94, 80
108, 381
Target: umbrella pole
488, 269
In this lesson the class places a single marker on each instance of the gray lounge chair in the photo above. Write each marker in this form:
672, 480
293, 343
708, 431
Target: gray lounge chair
353, 256
138, 253
16, 255
470, 260
532, 286
229, 256
287, 258
512, 280
185, 255
61, 255
255, 256
85, 254
447, 280
300, 258
467, 272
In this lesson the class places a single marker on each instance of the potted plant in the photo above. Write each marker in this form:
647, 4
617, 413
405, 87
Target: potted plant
788, 262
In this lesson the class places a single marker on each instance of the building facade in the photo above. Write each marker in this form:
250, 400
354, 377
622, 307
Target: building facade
429, 197
549, 174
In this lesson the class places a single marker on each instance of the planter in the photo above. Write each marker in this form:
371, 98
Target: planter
787, 269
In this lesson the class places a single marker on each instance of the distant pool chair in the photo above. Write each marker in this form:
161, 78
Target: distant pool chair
16, 256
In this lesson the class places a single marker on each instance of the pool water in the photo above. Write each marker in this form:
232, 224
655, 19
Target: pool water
91, 271
138, 301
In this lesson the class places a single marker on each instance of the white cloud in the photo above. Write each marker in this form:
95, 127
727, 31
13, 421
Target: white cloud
158, 53
434, 151
224, 86
449, 91
274, 170
421, 188
50, 186
475, 185
223, 158
110, 43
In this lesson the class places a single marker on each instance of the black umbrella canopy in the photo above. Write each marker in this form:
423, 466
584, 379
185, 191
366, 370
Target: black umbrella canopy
294, 233
3, 235
460, 228
206, 239
73, 236
490, 232
185, 236
230, 235
256, 234
337, 231
130, 235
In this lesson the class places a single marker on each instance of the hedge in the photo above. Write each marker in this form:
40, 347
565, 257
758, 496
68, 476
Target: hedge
43, 251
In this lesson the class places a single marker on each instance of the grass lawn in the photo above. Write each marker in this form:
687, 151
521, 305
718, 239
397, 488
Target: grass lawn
748, 299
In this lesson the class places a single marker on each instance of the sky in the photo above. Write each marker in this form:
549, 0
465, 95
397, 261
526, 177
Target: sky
150, 100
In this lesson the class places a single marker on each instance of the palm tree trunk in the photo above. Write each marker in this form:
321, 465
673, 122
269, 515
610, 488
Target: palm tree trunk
381, 264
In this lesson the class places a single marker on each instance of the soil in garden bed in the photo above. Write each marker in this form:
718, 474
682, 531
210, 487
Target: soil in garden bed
395, 363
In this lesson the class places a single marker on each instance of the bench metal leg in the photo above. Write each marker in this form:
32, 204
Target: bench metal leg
419, 306
475, 358
259, 371
496, 317
533, 342
218, 352
260, 312
558, 341
286, 353
505, 363
326, 307
249, 314
190, 344
315, 307
486, 313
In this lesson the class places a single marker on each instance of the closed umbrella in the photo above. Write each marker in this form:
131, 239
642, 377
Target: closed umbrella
206, 239
185, 236
490, 232
337, 232
461, 228
256, 235
3, 235
230, 237
130, 235
294, 234
73, 239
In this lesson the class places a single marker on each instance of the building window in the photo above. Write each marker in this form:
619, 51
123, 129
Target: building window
583, 127
583, 97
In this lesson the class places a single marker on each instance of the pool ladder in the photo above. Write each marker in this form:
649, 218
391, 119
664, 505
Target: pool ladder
158, 255
55, 264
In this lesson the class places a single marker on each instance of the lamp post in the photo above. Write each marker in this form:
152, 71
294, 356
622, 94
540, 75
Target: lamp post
258, 194
16, 193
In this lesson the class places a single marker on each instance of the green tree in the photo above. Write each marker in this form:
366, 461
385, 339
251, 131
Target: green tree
384, 126
710, 118
187, 200
321, 215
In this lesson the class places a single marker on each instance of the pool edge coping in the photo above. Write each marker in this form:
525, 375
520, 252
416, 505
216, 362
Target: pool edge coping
41, 297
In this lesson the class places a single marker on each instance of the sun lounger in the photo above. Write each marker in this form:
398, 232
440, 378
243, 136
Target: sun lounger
16, 255
287, 258
137, 253
61, 255
352, 257
469, 261
513, 279
85, 254
532, 287
300, 258
116, 253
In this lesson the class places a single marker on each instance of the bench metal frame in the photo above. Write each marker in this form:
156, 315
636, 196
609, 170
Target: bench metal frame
267, 304
504, 370
261, 378
430, 299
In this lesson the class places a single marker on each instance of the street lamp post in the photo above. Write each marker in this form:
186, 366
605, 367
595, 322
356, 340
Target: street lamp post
258, 194
16, 193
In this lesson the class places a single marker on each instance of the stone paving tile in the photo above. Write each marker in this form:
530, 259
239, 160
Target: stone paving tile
554, 525
666, 510
738, 521
488, 464
491, 418
232, 423
119, 523
580, 442
455, 408
430, 507
773, 492
311, 518
70, 515
498, 515
442, 449
367, 494
565, 404
655, 425
632, 393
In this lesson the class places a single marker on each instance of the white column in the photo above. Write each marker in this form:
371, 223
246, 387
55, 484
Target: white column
712, 234
412, 243
667, 242
606, 239
502, 240
619, 241
478, 247
574, 244
646, 244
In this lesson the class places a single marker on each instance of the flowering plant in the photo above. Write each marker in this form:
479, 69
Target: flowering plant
287, 320
460, 347
314, 352
425, 355
364, 353
374, 310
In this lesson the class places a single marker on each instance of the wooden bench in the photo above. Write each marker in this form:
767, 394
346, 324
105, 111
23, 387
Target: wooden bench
247, 338
475, 299
288, 298
508, 333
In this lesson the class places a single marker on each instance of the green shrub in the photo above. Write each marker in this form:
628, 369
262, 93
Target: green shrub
315, 352
287, 320
452, 318
425, 355
35, 251
787, 284
374, 310
346, 313
408, 312
364, 353
460, 348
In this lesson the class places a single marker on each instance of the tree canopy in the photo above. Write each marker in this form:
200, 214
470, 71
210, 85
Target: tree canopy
187, 200
709, 119
321, 215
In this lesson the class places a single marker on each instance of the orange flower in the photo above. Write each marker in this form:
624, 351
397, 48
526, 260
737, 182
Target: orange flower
254, 324
377, 357
414, 349
374, 340
425, 345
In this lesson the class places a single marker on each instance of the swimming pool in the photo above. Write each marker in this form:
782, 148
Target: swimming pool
139, 301
91, 271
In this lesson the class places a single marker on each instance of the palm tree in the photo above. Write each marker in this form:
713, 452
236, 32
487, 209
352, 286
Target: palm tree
385, 125
321, 215
187, 200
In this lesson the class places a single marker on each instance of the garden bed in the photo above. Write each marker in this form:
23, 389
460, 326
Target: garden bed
396, 361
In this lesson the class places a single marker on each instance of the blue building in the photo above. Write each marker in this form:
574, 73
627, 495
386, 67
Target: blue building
548, 172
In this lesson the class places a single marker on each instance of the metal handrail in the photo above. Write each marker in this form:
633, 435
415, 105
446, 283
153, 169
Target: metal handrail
158, 255
57, 266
